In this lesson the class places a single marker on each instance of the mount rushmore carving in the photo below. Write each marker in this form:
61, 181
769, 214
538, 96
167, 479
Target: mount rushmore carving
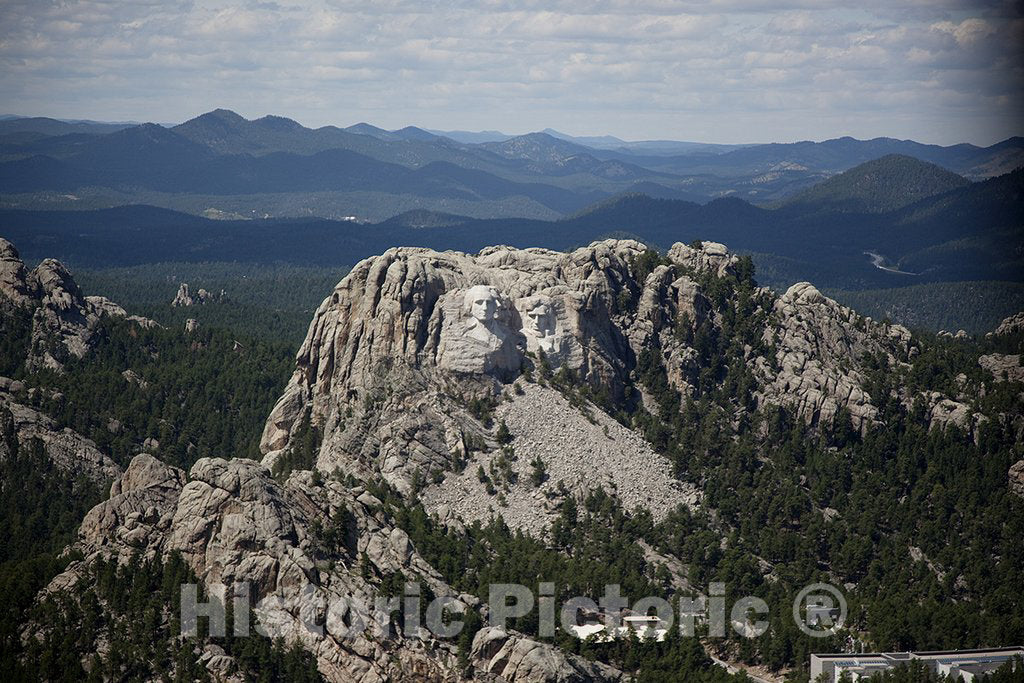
489, 333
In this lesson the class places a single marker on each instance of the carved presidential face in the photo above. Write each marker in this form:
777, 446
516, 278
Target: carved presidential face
481, 302
539, 320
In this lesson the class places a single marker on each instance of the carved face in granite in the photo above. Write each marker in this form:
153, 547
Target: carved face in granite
482, 339
539, 320
482, 303
540, 325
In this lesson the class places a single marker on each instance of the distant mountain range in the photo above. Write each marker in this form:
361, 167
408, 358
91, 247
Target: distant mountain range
220, 163
851, 232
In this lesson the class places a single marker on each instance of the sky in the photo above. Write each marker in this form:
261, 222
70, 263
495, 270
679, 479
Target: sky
727, 71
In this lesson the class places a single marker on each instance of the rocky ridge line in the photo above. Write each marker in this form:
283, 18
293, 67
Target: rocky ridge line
63, 320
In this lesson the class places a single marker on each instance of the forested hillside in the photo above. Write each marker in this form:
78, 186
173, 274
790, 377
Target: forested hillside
975, 307
270, 302
912, 516
885, 184
181, 396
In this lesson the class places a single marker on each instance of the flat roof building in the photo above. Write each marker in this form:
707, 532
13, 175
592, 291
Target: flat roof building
964, 663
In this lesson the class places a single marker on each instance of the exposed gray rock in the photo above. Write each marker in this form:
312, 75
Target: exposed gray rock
395, 352
104, 306
579, 454
218, 663
520, 660
1004, 367
64, 321
817, 343
1011, 324
943, 412
13, 278
395, 355
1016, 477
710, 257
231, 521
67, 450
138, 509
184, 296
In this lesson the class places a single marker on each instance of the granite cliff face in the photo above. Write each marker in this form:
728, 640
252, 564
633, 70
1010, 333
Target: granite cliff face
399, 352
401, 346
817, 344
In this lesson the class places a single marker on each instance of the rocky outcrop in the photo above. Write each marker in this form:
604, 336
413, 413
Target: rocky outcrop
1016, 477
519, 659
817, 343
943, 412
70, 452
1011, 324
232, 522
185, 297
140, 507
711, 257
63, 321
13, 277
1004, 367
411, 339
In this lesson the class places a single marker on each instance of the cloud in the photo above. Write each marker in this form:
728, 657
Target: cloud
718, 70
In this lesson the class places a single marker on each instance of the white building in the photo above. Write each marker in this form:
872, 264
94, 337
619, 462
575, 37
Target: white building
964, 663
643, 626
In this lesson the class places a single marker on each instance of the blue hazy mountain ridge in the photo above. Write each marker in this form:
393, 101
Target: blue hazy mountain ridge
659, 147
47, 126
171, 167
760, 173
972, 232
834, 156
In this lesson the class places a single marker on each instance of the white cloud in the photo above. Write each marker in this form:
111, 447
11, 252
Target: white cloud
938, 71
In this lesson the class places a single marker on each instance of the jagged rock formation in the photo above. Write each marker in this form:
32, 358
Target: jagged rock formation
63, 321
395, 353
184, 296
232, 522
1011, 324
817, 341
943, 412
1016, 477
1004, 367
515, 658
13, 277
407, 371
66, 449
712, 257
410, 337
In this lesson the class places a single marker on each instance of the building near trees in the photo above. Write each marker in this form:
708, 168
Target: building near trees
967, 664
